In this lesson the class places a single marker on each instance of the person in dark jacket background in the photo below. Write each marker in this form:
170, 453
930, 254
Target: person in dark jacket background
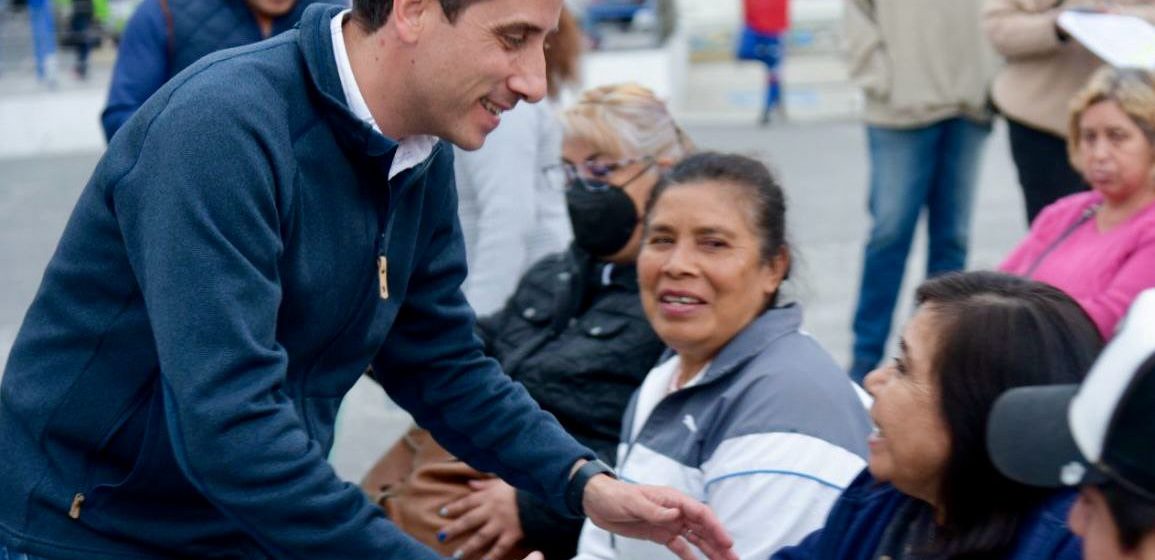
272, 221
574, 332
82, 35
930, 491
164, 37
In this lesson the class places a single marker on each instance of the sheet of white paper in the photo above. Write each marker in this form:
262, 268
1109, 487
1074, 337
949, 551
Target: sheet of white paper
1121, 41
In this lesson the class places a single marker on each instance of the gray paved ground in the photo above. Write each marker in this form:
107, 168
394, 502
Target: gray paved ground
822, 164
36, 196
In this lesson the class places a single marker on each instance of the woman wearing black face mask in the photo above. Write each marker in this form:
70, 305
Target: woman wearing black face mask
604, 215
573, 333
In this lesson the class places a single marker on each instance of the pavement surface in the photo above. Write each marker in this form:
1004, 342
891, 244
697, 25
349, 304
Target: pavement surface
50, 143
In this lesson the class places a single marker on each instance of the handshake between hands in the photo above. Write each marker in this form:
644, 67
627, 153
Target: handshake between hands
655, 513
659, 514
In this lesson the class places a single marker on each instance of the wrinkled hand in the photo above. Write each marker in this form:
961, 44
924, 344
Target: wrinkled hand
659, 514
490, 514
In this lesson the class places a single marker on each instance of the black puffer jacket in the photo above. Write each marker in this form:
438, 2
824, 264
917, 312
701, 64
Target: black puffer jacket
575, 335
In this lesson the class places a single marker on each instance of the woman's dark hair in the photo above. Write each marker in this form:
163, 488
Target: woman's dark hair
995, 332
751, 177
372, 14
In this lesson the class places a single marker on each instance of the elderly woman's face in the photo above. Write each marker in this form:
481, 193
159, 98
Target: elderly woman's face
912, 443
701, 271
1114, 153
633, 175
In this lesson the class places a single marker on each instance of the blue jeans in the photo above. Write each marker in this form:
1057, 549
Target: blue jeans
934, 167
9, 554
43, 37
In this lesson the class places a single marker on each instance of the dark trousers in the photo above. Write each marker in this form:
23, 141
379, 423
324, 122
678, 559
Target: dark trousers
81, 27
1045, 172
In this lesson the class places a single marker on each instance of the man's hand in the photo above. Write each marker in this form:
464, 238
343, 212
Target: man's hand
658, 514
490, 513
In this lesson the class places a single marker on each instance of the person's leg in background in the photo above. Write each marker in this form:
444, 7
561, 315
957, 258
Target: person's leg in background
80, 24
1044, 168
902, 167
44, 39
5, 6
951, 198
772, 108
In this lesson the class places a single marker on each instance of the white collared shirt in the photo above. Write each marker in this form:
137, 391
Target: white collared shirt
411, 150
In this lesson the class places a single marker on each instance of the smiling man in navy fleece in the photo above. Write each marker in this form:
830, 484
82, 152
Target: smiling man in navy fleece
270, 222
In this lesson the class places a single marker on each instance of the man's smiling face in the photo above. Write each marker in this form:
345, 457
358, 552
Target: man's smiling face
469, 71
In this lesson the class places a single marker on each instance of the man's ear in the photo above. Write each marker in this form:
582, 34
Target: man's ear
410, 17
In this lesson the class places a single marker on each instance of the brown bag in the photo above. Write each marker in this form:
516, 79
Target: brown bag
414, 480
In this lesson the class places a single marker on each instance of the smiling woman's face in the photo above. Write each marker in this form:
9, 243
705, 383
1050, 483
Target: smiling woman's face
700, 270
912, 445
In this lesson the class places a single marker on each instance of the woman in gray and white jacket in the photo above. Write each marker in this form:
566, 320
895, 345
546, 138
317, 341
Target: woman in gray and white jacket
748, 414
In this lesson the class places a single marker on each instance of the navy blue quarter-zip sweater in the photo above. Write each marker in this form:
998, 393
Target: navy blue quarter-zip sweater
864, 512
173, 388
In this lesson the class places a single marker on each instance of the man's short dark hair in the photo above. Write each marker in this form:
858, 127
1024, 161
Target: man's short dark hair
372, 14
1134, 515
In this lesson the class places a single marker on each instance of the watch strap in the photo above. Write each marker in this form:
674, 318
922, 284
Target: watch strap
576, 488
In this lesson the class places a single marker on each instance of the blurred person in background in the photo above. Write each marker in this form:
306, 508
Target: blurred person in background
1044, 69
1097, 436
762, 39
747, 413
925, 70
5, 15
1099, 246
512, 211
574, 334
43, 22
930, 490
82, 34
163, 37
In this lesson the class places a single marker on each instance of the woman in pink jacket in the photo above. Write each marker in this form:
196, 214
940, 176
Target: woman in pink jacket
1099, 246
1044, 69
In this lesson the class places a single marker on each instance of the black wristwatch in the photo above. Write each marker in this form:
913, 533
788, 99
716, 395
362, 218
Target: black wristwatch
577, 484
